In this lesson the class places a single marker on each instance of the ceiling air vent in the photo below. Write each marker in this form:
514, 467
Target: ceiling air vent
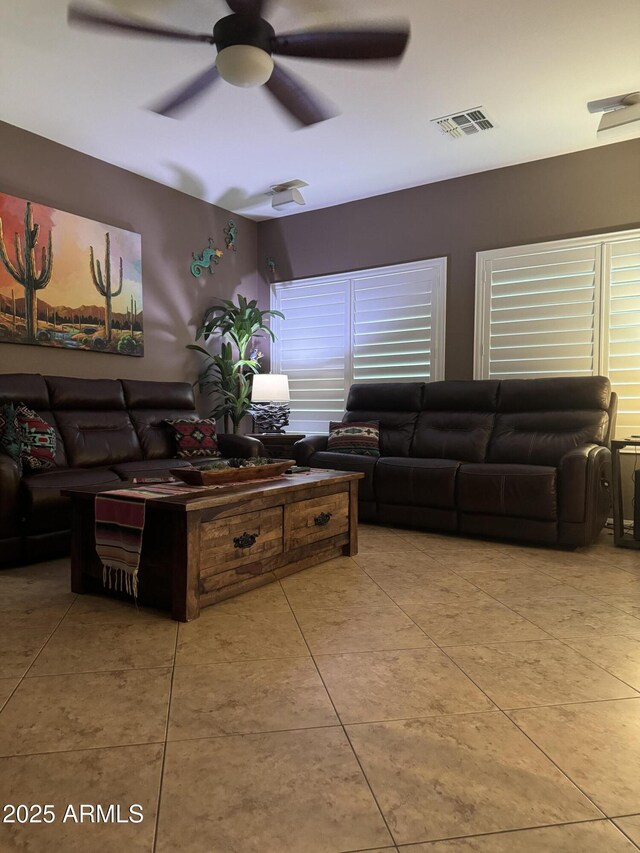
466, 123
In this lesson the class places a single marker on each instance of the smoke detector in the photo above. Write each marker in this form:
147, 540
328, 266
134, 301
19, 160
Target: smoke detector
465, 123
287, 193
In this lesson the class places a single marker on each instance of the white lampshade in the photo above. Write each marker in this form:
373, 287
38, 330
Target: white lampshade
244, 65
270, 388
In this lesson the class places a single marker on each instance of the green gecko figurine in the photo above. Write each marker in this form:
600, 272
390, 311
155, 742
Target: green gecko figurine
209, 256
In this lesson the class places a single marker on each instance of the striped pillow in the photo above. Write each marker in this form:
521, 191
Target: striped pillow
359, 437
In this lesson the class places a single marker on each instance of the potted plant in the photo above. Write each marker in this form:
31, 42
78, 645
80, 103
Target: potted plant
229, 373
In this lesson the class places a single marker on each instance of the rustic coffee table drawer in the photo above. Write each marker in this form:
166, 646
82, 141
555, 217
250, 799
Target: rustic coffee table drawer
312, 520
231, 542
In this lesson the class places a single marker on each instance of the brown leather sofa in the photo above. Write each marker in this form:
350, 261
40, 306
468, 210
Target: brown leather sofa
517, 459
108, 430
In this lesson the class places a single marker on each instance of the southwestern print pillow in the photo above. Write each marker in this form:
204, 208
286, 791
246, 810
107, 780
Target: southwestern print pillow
194, 439
359, 437
38, 439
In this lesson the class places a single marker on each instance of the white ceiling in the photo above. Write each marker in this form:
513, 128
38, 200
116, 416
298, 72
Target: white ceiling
532, 65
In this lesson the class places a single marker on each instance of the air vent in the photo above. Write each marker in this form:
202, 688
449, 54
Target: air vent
466, 123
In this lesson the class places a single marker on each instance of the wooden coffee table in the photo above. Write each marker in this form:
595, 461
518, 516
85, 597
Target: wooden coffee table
200, 549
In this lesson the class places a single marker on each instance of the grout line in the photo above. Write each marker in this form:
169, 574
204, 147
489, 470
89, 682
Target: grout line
166, 733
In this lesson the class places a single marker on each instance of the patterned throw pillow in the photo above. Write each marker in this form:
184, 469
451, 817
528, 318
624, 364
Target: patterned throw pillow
194, 438
10, 439
360, 437
38, 440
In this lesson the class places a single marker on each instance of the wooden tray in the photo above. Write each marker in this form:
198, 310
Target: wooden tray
198, 477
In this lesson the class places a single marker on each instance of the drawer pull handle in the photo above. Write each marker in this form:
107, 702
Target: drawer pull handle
322, 519
247, 540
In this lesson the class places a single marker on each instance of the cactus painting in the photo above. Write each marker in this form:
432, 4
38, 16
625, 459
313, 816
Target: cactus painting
67, 281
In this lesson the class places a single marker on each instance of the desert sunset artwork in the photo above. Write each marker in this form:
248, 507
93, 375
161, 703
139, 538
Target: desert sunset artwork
67, 281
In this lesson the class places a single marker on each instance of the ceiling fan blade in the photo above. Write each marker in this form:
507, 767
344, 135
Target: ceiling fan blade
255, 8
343, 44
86, 17
296, 98
185, 94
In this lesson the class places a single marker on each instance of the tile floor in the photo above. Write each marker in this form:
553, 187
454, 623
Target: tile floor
431, 695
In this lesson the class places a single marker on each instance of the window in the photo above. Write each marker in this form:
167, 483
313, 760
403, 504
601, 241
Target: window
377, 325
565, 308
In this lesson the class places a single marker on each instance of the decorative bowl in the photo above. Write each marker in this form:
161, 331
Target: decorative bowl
198, 477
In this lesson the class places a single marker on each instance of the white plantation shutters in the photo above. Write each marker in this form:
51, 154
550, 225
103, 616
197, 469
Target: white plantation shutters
371, 326
567, 308
622, 348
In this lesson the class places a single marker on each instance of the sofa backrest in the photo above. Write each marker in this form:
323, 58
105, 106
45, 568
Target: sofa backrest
94, 424
103, 421
149, 405
456, 420
539, 420
395, 405
527, 421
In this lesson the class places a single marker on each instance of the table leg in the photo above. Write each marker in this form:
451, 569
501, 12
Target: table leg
618, 510
81, 518
351, 549
185, 568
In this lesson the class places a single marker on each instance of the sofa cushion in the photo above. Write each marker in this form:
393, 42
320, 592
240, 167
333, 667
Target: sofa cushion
139, 394
461, 395
520, 491
43, 505
542, 438
27, 388
349, 462
37, 440
98, 438
385, 397
559, 393
359, 437
452, 435
396, 429
416, 482
71, 393
156, 437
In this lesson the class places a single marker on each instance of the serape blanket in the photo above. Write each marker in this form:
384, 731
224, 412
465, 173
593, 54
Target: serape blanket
120, 516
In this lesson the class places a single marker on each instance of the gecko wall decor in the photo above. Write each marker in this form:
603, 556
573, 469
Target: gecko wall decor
206, 260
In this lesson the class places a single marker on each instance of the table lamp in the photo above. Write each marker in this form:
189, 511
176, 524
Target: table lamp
270, 402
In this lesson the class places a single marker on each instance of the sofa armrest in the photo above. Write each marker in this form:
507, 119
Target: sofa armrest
240, 446
9, 496
584, 475
304, 449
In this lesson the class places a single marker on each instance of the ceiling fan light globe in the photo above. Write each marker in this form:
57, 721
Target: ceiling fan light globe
244, 65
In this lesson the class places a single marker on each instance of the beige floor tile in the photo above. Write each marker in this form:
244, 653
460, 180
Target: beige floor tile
619, 655
442, 777
515, 582
477, 560
45, 598
266, 598
593, 837
627, 602
64, 712
379, 539
597, 579
82, 647
333, 584
624, 558
373, 686
576, 616
397, 559
547, 559
283, 792
20, 642
122, 775
222, 636
472, 620
434, 544
7, 686
630, 826
249, 696
539, 672
360, 629
95, 609
409, 583
597, 744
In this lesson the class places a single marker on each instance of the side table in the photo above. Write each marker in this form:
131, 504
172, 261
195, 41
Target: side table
279, 445
620, 538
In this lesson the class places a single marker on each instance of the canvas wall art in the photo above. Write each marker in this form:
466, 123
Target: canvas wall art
67, 281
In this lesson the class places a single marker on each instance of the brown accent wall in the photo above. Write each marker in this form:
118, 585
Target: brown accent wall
172, 224
567, 196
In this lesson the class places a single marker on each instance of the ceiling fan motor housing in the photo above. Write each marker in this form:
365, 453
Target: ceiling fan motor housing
239, 29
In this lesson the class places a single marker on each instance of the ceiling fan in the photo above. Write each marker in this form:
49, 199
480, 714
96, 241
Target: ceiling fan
246, 42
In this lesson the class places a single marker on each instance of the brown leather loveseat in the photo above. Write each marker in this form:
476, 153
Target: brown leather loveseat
108, 430
516, 459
